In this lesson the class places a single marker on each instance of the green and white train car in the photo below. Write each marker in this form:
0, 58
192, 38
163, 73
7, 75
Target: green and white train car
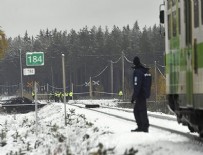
183, 22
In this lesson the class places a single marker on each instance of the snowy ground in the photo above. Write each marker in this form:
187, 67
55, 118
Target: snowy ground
87, 132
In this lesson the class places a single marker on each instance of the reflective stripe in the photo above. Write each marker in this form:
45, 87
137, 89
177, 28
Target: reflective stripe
135, 80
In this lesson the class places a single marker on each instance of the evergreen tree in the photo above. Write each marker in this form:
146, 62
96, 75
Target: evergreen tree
145, 46
135, 39
3, 43
126, 43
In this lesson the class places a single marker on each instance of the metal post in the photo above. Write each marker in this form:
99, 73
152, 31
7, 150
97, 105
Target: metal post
123, 87
35, 101
48, 92
155, 81
52, 79
21, 75
64, 86
90, 89
72, 89
111, 77
47, 88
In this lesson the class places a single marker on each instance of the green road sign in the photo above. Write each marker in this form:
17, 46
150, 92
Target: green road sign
34, 58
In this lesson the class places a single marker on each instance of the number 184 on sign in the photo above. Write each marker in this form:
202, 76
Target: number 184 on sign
34, 58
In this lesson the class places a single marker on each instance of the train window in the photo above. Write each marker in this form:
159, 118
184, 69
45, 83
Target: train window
169, 26
174, 23
173, 2
188, 22
179, 23
168, 4
202, 10
196, 13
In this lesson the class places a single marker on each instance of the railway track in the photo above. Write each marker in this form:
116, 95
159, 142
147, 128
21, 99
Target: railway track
194, 138
149, 114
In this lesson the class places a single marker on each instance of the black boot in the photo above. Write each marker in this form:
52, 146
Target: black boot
145, 130
136, 130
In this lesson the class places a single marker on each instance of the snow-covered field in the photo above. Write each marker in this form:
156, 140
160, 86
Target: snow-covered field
87, 132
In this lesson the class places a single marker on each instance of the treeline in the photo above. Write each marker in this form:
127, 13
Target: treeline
87, 53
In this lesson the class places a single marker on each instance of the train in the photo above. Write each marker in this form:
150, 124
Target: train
183, 30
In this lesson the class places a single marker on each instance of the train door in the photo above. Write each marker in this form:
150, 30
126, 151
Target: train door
188, 50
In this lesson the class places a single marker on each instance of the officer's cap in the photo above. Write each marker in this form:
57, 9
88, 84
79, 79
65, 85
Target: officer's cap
136, 61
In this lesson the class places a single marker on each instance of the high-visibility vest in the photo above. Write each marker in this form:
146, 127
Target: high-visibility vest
33, 93
120, 93
57, 94
66, 94
71, 94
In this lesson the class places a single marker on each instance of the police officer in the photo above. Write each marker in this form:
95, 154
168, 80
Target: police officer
120, 94
67, 96
71, 95
33, 95
51, 96
57, 96
140, 107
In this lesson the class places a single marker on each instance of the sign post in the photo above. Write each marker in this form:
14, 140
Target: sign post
21, 75
64, 86
35, 101
34, 59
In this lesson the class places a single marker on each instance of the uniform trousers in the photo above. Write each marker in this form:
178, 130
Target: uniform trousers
140, 114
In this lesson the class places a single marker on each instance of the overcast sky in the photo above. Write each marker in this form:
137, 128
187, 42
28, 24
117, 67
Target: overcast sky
17, 16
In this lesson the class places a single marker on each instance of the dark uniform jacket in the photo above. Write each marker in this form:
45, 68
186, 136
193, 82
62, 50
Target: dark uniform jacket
138, 93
